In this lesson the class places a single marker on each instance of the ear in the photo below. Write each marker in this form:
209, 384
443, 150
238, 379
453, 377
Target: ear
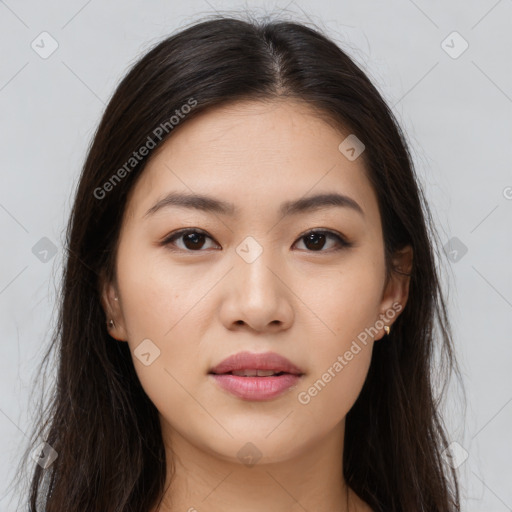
396, 291
111, 302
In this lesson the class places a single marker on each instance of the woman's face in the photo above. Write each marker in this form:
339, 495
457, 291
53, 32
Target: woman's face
249, 276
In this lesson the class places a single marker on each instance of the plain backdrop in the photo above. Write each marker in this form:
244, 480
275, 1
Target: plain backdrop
444, 68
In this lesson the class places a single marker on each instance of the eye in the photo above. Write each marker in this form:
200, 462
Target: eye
193, 240
315, 240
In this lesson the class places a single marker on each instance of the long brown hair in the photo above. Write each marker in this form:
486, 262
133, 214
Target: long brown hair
101, 424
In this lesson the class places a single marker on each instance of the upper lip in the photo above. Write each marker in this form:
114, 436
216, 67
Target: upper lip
256, 361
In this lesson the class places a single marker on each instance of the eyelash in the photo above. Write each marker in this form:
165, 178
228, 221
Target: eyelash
343, 243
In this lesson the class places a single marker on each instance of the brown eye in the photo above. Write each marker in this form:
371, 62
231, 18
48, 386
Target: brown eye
315, 241
192, 240
195, 240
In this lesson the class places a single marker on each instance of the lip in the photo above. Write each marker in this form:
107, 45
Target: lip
256, 361
256, 388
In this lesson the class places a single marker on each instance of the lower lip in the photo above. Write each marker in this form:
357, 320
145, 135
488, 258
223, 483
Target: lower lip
256, 388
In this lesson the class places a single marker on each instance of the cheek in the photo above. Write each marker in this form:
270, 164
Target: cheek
331, 391
157, 297
161, 304
345, 307
344, 301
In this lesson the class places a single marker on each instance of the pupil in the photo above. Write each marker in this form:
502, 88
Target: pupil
311, 238
195, 238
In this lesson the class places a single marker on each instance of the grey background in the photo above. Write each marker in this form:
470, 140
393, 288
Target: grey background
456, 113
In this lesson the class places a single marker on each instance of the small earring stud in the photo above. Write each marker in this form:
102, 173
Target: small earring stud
111, 323
387, 328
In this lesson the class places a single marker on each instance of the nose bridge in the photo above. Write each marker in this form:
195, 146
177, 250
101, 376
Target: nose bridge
257, 294
255, 259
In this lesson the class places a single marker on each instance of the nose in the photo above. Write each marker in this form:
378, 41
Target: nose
257, 296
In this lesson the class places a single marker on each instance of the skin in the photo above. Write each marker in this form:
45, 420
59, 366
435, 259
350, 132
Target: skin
201, 303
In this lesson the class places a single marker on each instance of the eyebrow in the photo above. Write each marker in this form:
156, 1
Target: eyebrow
210, 204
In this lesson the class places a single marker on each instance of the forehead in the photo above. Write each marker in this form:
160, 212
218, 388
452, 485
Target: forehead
254, 154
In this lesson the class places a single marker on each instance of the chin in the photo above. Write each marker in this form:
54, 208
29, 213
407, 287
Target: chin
249, 450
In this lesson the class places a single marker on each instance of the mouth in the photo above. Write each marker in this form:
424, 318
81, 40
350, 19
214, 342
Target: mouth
249, 364
253, 373
253, 376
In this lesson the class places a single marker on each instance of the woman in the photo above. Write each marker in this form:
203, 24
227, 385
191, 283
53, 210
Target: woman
250, 292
